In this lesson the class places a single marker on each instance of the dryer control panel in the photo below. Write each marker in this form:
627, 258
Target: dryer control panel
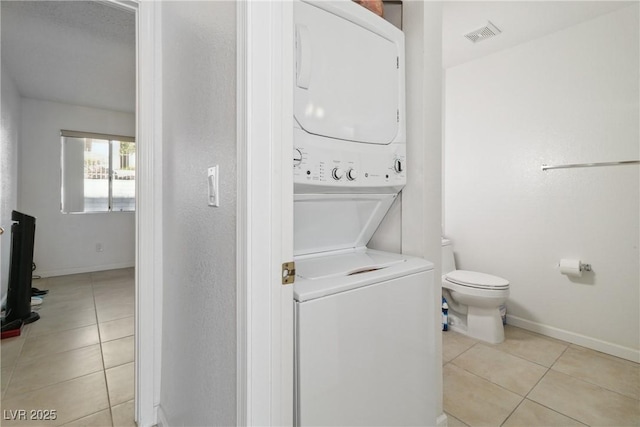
337, 166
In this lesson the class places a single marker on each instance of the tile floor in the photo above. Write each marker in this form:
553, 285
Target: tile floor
532, 380
78, 358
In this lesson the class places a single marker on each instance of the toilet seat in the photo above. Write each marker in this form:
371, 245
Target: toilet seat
474, 279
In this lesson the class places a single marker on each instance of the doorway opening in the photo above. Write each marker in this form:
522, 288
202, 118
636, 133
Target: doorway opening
72, 66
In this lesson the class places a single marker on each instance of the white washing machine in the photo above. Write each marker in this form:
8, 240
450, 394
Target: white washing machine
364, 319
363, 333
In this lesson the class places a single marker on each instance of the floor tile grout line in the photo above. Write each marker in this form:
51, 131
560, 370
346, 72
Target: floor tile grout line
587, 380
15, 364
584, 380
451, 415
462, 352
495, 346
58, 352
104, 366
513, 411
557, 412
545, 406
560, 356
120, 337
49, 385
496, 384
4, 392
489, 381
547, 369
86, 416
492, 383
524, 358
19, 359
49, 333
20, 352
525, 397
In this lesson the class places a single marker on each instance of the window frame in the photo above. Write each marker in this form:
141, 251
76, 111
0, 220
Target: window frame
110, 138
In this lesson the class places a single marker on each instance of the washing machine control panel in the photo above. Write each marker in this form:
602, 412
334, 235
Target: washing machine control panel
343, 166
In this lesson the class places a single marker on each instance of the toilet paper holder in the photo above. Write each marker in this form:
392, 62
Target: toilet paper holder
585, 267
574, 269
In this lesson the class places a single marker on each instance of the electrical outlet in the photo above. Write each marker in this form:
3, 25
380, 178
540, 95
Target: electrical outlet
99, 247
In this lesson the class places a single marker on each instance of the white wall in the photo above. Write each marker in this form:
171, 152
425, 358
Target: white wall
199, 311
569, 97
10, 129
66, 243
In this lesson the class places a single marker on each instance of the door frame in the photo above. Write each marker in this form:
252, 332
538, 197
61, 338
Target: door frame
148, 214
265, 212
149, 236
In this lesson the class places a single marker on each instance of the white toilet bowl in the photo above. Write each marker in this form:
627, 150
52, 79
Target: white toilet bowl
474, 300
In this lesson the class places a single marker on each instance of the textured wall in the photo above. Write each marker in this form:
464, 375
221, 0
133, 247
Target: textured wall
569, 97
199, 312
10, 129
66, 243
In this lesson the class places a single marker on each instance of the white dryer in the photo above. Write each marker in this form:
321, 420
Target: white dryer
364, 319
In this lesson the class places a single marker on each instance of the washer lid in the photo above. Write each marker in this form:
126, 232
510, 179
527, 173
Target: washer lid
343, 265
318, 276
330, 222
473, 279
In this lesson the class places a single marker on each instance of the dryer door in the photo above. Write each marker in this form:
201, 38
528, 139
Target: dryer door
349, 73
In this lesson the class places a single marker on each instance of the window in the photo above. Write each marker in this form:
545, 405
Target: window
98, 172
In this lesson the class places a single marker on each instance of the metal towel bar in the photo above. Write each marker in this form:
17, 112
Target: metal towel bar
588, 165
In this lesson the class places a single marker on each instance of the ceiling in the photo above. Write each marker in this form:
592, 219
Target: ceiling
76, 52
519, 21
83, 52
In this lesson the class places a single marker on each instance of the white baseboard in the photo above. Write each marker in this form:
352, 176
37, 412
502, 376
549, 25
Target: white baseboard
575, 338
442, 421
162, 419
78, 270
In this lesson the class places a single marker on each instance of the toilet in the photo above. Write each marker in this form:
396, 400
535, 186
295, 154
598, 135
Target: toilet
474, 299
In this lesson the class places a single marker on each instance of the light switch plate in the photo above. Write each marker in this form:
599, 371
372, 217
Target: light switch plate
212, 183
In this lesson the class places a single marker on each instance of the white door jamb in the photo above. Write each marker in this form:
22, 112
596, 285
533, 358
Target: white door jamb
265, 213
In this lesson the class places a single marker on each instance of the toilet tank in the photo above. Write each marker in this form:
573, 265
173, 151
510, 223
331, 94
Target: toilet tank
448, 262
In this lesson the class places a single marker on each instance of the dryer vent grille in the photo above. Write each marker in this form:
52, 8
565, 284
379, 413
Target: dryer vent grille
483, 33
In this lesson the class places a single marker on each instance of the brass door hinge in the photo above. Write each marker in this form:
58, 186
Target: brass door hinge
288, 273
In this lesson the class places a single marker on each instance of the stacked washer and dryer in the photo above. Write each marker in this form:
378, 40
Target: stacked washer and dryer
364, 319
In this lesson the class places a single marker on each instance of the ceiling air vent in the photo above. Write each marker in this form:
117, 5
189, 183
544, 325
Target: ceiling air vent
483, 33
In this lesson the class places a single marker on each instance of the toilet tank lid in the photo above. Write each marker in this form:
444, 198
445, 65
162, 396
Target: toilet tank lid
477, 280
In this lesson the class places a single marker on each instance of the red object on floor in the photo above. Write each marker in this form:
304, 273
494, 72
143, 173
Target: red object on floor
12, 333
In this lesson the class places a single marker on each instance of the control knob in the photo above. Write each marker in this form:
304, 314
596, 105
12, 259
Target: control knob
352, 174
337, 173
398, 165
297, 157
